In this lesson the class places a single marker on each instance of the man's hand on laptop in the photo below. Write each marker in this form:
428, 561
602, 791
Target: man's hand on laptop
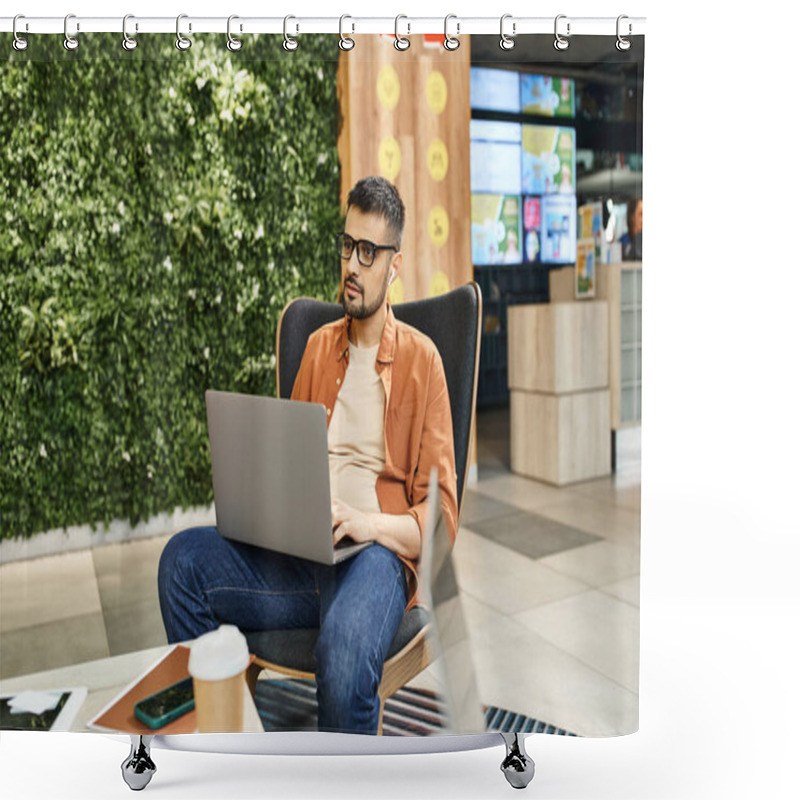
397, 532
350, 522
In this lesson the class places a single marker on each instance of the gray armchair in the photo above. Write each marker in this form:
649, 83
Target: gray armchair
453, 322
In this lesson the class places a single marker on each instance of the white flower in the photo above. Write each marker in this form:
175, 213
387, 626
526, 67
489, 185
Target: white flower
115, 228
272, 361
42, 451
320, 74
238, 234
256, 288
168, 264
226, 115
260, 231
150, 471
192, 294
218, 298
271, 266
168, 217
148, 149
304, 226
188, 108
191, 120
200, 83
207, 352
121, 208
239, 266
126, 456
239, 308
172, 93
322, 158
9, 216
240, 112
295, 273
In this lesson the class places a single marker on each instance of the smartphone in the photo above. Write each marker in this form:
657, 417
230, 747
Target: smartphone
166, 705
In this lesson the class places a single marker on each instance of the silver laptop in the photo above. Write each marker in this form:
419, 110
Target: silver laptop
269, 464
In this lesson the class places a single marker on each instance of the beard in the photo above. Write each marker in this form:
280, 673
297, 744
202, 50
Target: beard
358, 308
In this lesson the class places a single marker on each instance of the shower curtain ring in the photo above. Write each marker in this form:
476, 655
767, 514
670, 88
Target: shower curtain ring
70, 42
234, 44
400, 42
128, 42
507, 42
19, 43
451, 42
288, 43
345, 42
561, 43
182, 42
623, 44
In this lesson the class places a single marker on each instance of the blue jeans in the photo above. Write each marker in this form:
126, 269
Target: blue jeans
205, 580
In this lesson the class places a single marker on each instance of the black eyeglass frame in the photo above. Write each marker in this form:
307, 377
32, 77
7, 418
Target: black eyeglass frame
340, 242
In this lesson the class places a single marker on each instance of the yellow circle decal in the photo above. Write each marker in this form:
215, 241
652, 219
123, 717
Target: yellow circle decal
439, 284
389, 157
438, 226
396, 293
437, 159
436, 90
388, 87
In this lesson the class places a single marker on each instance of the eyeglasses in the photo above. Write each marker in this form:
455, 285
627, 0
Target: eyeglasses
365, 250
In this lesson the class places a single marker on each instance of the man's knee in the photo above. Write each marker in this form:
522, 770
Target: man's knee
182, 554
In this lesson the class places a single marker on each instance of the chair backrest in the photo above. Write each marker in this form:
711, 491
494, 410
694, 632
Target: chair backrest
451, 320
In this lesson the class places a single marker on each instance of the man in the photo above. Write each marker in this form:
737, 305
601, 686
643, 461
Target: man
632, 239
383, 385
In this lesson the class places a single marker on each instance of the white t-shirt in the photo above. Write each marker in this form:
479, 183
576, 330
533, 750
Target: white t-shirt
356, 444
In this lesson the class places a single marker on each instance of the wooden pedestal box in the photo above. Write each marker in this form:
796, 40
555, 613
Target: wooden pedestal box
560, 439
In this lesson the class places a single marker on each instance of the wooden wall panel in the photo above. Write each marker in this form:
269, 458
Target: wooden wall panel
413, 107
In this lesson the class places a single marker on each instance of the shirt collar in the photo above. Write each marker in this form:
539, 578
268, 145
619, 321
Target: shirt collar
387, 343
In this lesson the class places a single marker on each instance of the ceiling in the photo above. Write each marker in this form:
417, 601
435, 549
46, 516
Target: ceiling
591, 58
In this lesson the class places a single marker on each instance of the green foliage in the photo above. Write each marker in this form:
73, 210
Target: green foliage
159, 209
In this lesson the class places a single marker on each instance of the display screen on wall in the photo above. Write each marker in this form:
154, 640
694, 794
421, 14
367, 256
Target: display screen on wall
495, 157
494, 89
548, 159
496, 229
547, 96
559, 229
522, 174
532, 229
494, 167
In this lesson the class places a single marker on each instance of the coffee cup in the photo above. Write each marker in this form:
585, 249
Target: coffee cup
217, 663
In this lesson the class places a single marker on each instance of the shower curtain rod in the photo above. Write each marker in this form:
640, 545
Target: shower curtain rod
402, 25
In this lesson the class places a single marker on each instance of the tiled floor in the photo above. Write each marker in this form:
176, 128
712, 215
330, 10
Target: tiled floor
549, 583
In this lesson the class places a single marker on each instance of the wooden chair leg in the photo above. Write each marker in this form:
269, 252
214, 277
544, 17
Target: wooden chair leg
380, 717
251, 676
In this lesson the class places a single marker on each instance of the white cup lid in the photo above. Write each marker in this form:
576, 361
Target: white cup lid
219, 654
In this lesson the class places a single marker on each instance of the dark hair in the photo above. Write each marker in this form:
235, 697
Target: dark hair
376, 195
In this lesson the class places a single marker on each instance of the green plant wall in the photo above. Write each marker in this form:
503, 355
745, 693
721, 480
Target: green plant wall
158, 210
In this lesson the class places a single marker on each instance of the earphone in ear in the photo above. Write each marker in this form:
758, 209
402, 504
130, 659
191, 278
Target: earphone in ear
394, 272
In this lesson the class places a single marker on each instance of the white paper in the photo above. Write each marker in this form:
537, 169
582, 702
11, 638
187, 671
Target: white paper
33, 702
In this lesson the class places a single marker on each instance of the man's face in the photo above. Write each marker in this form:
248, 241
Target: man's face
364, 288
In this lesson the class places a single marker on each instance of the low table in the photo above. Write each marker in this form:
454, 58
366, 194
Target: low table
106, 678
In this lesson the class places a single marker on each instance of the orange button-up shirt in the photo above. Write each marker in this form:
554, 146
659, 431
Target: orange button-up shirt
418, 427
